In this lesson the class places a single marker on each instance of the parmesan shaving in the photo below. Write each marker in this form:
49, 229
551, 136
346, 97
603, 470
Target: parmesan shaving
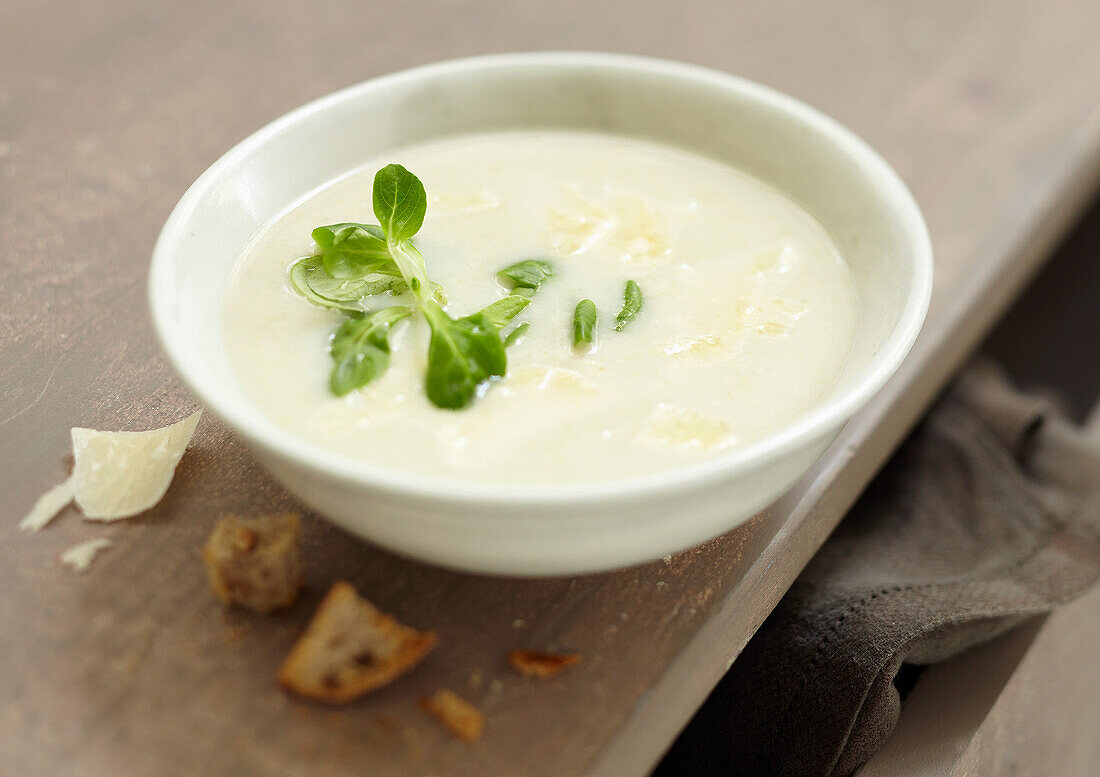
48, 506
81, 555
120, 474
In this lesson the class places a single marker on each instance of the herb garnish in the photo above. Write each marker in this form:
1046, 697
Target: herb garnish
462, 354
501, 312
361, 349
399, 205
585, 317
354, 250
355, 262
310, 279
515, 335
524, 278
632, 303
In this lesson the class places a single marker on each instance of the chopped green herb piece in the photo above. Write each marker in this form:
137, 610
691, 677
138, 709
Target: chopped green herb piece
585, 318
632, 304
501, 312
525, 277
361, 348
514, 336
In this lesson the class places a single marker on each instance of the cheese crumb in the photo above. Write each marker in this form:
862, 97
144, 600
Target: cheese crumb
542, 377
636, 231
448, 204
689, 344
81, 555
120, 474
48, 506
684, 428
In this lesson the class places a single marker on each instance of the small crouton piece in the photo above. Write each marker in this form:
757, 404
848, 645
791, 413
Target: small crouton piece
255, 563
463, 719
532, 663
350, 648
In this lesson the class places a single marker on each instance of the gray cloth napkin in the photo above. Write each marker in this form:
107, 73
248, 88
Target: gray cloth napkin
989, 514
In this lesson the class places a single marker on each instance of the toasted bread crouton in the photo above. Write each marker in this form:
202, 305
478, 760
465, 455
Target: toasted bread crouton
255, 563
463, 719
533, 663
350, 648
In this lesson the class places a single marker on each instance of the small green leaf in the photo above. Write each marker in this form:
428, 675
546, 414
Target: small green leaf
309, 278
525, 277
585, 318
399, 203
361, 349
514, 336
501, 312
462, 355
632, 303
353, 250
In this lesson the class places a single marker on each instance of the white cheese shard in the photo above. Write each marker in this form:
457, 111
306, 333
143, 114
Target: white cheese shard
81, 555
120, 474
684, 428
48, 506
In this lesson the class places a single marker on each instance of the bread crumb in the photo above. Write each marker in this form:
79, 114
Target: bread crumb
463, 719
350, 648
81, 555
386, 723
48, 506
255, 563
533, 663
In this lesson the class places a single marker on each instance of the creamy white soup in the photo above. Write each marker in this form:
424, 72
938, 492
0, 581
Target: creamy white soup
748, 313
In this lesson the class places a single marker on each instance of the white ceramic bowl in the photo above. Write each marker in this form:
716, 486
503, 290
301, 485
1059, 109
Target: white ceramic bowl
571, 529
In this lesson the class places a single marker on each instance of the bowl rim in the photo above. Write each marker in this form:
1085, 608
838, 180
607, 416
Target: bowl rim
818, 422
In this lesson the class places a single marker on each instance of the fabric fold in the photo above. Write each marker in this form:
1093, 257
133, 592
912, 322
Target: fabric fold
989, 514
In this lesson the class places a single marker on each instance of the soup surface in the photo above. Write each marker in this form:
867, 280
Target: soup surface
748, 317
